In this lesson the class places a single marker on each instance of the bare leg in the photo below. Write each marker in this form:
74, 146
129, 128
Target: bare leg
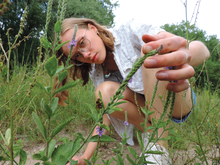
182, 104
134, 114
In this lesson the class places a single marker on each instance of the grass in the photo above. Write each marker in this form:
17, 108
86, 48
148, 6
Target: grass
24, 105
181, 136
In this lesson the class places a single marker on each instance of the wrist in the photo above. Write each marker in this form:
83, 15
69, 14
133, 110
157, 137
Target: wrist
84, 156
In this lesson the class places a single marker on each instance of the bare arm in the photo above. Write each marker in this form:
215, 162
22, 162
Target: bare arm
175, 53
91, 145
199, 53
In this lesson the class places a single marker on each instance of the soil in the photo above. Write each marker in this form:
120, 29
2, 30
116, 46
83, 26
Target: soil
178, 157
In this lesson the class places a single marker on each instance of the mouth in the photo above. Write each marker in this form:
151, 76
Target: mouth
94, 58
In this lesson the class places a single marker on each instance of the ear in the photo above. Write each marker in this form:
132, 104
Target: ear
92, 27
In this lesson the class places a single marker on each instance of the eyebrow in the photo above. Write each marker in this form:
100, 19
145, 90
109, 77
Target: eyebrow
77, 42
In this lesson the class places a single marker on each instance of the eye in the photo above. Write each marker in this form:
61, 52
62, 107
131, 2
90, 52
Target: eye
82, 43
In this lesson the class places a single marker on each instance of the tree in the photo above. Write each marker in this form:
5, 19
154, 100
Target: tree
99, 10
211, 73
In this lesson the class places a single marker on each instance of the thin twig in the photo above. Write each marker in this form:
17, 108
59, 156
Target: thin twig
4, 51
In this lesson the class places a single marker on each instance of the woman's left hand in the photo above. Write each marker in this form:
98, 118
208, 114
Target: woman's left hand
174, 53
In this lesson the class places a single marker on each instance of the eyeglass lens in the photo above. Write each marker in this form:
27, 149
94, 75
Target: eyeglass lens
84, 45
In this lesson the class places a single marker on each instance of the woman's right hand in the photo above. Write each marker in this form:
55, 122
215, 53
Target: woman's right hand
80, 160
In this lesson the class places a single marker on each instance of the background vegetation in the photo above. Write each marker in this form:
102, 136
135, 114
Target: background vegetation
205, 83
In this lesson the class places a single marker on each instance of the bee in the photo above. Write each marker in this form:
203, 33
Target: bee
99, 104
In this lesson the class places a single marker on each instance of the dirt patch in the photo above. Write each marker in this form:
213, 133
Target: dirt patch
178, 157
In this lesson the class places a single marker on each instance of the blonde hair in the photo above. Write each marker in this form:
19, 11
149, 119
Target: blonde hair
81, 72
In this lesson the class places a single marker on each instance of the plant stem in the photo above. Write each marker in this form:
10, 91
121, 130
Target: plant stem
134, 69
187, 26
197, 130
10, 104
90, 133
6, 153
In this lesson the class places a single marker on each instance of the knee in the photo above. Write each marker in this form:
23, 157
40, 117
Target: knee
107, 88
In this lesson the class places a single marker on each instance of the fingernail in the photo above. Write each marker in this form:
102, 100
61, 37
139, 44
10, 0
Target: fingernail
162, 75
147, 49
150, 62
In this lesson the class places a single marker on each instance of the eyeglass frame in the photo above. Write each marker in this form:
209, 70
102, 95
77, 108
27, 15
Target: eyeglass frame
80, 50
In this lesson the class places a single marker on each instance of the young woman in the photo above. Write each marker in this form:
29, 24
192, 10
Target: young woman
107, 56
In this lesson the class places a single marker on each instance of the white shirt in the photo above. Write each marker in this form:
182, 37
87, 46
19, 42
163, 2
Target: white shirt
128, 45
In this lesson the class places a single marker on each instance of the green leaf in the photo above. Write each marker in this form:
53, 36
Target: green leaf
105, 127
149, 128
140, 141
3, 138
40, 125
48, 110
49, 163
23, 157
60, 45
94, 112
51, 147
59, 68
154, 121
100, 96
54, 103
38, 163
39, 156
103, 138
73, 162
51, 66
119, 160
120, 102
46, 44
8, 136
62, 75
79, 135
45, 108
68, 67
61, 126
64, 152
130, 160
133, 152
42, 105
57, 26
48, 89
65, 87
113, 109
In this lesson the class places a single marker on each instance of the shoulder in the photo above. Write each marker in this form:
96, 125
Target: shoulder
136, 26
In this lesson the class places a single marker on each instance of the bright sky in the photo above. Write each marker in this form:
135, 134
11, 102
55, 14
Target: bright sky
160, 12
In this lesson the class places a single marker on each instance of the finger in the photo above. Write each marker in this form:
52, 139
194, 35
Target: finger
184, 72
148, 38
162, 35
178, 87
172, 59
169, 44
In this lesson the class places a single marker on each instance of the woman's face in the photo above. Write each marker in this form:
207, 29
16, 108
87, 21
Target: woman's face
89, 45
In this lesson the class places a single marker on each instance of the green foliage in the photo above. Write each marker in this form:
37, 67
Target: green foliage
101, 11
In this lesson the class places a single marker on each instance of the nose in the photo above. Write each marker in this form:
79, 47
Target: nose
86, 54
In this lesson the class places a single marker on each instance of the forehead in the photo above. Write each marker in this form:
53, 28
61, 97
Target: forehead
67, 36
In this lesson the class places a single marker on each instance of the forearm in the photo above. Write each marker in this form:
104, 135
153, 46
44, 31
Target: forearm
199, 52
91, 147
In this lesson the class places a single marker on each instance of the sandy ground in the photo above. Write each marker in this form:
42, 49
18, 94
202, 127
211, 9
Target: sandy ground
179, 157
